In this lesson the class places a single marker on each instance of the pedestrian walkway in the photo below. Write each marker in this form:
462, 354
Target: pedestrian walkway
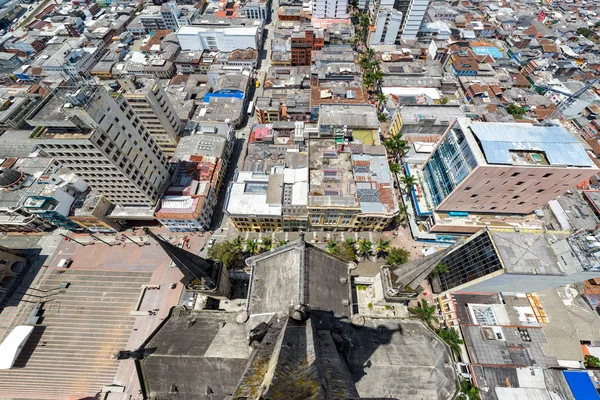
69, 352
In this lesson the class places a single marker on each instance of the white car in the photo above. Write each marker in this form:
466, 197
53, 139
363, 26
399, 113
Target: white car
211, 242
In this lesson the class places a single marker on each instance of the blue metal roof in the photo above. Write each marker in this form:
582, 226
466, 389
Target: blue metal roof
581, 385
558, 145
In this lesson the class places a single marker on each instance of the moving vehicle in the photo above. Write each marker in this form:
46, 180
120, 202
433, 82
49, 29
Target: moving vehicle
257, 83
64, 263
172, 286
250, 108
211, 242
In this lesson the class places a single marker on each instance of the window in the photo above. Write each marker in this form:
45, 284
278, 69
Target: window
515, 174
516, 197
547, 175
539, 191
519, 183
474, 195
468, 188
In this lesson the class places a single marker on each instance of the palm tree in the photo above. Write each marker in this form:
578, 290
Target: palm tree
395, 168
402, 213
381, 99
332, 245
383, 247
251, 246
424, 312
469, 390
408, 181
450, 336
440, 269
238, 243
281, 243
267, 243
365, 248
365, 63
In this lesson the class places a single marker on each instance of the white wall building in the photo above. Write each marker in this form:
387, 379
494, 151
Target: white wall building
387, 26
257, 9
330, 9
414, 18
218, 39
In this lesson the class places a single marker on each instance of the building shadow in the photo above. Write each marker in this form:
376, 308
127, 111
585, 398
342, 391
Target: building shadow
24, 280
34, 341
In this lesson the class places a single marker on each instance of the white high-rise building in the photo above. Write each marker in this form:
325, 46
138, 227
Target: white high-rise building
330, 9
387, 26
102, 140
414, 12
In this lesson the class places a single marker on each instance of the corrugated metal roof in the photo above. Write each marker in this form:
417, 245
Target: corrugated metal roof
559, 146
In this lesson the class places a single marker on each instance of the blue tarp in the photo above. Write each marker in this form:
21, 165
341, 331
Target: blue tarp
236, 95
581, 385
488, 50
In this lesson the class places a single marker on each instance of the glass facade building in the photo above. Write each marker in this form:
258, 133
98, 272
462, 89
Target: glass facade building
449, 165
474, 259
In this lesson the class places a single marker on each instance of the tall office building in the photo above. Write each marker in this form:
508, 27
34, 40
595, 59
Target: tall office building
330, 9
493, 261
102, 140
503, 168
151, 104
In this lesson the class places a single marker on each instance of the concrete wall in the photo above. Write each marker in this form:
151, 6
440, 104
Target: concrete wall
524, 283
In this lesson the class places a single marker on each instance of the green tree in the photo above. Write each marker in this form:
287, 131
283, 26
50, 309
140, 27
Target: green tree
424, 312
515, 110
396, 145
586, 32
408, 181
281, 243
382, 117
350, 240
251, 247
267, 243
238, 243
365, 248
381, 99
365, 63
444, 100
591, 361
397, 256
395, 168
332, 246
470, 390
346, 252
440, 269
226, 253
402, 214
451, 337
383, 247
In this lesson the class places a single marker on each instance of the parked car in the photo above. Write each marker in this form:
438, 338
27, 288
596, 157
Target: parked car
172, 286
